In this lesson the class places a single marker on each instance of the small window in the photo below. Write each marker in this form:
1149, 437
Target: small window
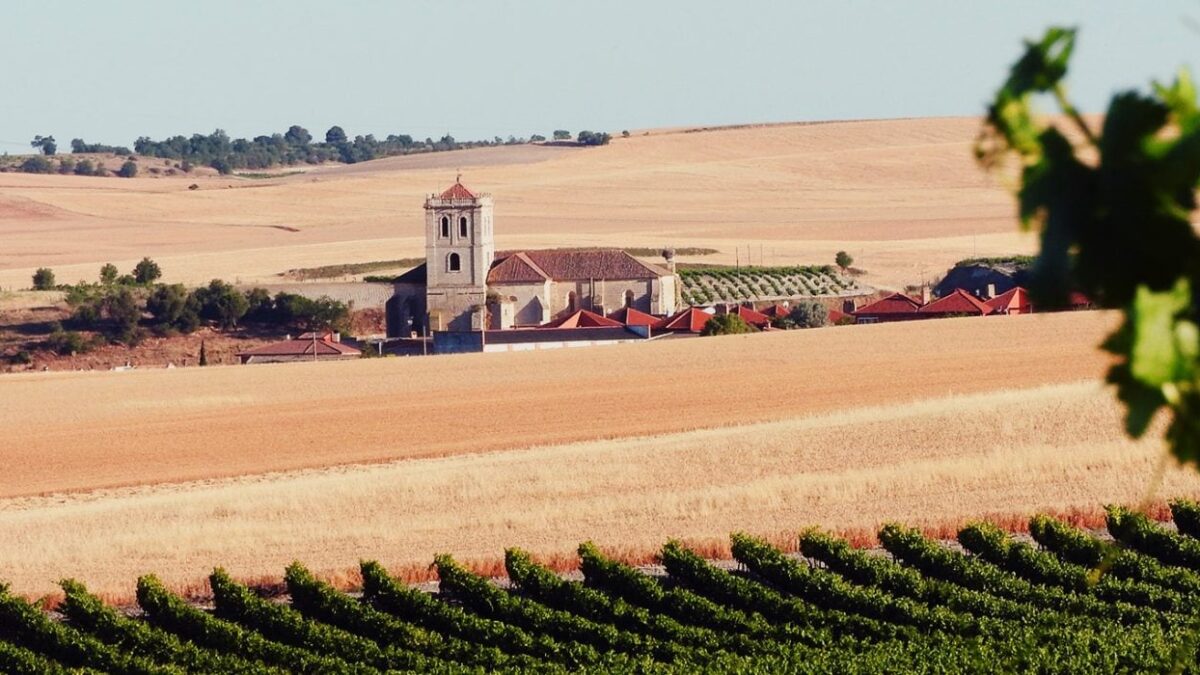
462, 226
445, 227
453, 263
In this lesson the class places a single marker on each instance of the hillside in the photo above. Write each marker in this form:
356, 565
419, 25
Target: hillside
903, 196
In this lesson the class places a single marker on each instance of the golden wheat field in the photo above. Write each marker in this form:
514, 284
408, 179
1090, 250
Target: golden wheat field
175, 471
903, 196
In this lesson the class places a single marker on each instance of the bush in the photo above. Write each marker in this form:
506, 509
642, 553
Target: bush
561, 134
593, 138
37, 164
809, 314
128, 170
220, 302
67, 342
843, 260
43, 279
307, 314
108, 274
172, 307
726, 324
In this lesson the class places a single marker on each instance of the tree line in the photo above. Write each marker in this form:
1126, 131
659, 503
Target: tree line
121, 308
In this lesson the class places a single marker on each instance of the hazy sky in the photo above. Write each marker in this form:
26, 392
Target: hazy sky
114, 70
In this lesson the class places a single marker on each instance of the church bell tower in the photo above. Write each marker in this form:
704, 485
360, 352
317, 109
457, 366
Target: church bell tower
459, 250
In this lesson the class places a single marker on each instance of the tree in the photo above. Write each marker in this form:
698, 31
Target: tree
147, 271
593, 138
37, 164
843, 260
108, 274
259, 306
172, 307
85, 167
1114, 213
44, 143
221, 302
726, 324
128, 170
335, 135
561, 134
298, 136
43, 279
203, 354
625, 134
122, 308
809, 314
222, 165
536, 138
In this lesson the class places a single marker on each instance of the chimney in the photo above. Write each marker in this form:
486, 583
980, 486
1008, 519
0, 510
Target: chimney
924, 294
991, 291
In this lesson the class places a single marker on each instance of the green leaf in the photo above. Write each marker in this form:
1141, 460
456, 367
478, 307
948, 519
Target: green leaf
1162, 351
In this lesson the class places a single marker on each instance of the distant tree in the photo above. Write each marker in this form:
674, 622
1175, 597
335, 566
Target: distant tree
44, 143
843, 260
147, 271
108, 274
298, 136
561, 134
625, 134
66, 166
726, 324
536, 138
809, 314
128, 170
593, 138
222, 165
43, 279
125, 313
85, 167
173, 307
335, 135
221, 302
260, 307
203, 354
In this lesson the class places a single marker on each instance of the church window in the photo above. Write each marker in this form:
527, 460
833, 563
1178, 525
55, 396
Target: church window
462, 226
445, 227
453, 262
629, 298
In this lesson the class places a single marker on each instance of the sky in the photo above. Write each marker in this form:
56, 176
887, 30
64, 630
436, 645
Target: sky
115, 70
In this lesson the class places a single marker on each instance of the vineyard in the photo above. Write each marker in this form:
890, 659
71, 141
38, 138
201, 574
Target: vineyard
706, 285
996, 603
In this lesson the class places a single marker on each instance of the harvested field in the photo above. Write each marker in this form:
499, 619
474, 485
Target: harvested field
250, 467
903, 196
154, 426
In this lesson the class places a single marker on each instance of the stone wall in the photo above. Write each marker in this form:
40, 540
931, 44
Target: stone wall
362, 295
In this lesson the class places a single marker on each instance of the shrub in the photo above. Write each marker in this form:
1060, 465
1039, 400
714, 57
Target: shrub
128, 170
43, 279
37, 164
809, 314
147, 271
67, 342
843, 260
172, 307
108, 274
726, 324
220, 302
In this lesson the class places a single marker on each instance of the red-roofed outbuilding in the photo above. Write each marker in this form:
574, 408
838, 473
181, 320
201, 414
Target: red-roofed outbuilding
690, 320
895, 307
956, 303
1013, 301
307, 347
583, 319
753, 317
634, 317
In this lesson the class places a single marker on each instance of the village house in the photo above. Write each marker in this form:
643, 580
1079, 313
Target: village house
465, 285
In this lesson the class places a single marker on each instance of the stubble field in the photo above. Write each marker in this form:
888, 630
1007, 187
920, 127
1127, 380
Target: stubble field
903, 196
930, 423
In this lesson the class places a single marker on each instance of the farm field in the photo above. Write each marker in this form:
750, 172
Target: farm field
903, 196
997, 604
845, 427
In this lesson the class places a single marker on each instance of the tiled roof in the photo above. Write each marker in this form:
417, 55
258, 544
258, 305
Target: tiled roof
836, 316
957, 301
634, 317
516, 268
690, 320
896, 303
304, 345
580, 265
584, 319
776, 311
753, 317
457, 191
1014, 297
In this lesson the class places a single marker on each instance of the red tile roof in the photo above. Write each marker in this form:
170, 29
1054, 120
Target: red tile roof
837, 316
1015, 298
753, 317
304, 345
634, 317
457, 191
516, 268
957, 301
689, 320
583, 264
776, 311
896, 303
583, 319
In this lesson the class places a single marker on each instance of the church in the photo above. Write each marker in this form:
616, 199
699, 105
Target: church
466, 285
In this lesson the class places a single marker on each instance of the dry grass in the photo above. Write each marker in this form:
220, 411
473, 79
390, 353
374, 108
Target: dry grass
933, 463
902, 195
82, 431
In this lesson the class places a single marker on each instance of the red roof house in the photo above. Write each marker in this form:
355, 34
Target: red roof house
306, 347
895, 307
956, 303
753, 317
1013, 301
690, 320
583, 319
634, 317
